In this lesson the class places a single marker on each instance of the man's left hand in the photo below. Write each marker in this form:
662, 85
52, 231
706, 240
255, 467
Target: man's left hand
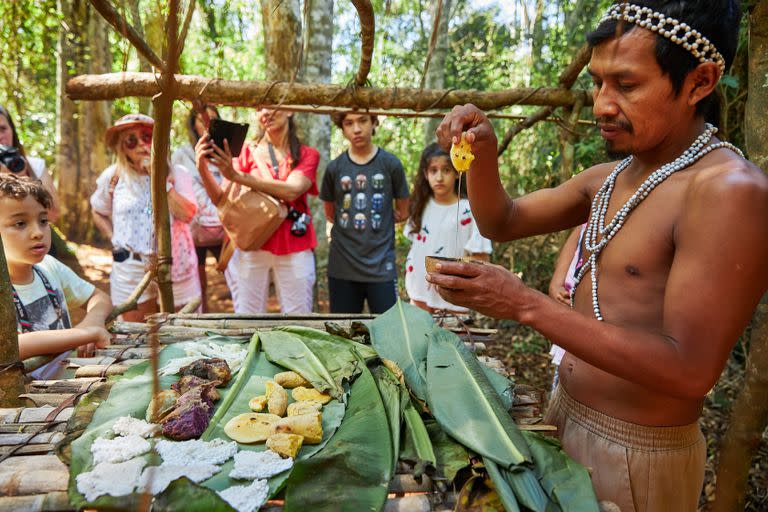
488, 289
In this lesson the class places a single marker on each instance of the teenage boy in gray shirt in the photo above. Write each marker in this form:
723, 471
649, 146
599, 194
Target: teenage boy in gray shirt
358, 189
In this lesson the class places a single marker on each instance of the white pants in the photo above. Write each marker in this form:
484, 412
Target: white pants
294, 274
126, 275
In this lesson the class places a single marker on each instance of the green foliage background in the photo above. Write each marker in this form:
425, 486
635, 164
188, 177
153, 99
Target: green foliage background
492, 46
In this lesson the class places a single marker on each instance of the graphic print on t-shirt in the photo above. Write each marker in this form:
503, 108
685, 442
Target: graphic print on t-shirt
43, 316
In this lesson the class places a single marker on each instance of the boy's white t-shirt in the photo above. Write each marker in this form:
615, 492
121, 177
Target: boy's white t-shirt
70, 290
437, 237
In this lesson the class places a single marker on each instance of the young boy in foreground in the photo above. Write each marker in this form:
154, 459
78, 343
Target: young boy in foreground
43, 287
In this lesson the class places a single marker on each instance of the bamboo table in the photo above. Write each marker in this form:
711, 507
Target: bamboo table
33, 478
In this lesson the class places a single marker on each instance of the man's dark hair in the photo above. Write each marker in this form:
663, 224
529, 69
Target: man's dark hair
338, 118
717, 20
20, 187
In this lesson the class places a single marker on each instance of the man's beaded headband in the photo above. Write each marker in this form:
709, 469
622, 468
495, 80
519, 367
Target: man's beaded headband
674, 30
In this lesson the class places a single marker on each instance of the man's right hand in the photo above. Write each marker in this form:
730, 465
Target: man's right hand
467, 118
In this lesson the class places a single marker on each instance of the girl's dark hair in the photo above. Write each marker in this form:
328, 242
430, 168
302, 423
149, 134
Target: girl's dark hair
717, 20
191, 133
16, 142
421, 189
294, 143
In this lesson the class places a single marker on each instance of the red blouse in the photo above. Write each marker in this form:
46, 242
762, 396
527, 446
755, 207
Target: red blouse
283, 242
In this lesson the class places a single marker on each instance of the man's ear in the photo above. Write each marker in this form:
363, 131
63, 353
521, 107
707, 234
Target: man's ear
701, 82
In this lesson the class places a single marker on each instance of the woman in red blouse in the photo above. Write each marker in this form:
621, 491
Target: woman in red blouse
276, 163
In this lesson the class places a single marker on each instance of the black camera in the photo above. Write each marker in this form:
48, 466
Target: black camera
12, 159
300, 222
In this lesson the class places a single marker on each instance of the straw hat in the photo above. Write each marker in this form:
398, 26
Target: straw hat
124, 123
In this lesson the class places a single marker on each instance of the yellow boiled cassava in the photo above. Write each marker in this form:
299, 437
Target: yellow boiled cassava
251, 427
304, 407
287, 445
257, 403
291, 380
309, 426
277, 400
302, 393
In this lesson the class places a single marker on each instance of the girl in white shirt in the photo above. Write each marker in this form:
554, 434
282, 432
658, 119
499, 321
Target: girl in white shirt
435, 211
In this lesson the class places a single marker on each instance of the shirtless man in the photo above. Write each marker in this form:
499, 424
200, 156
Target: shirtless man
678, 281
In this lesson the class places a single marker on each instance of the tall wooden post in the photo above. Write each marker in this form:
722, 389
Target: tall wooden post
162, 105
749, 414
11, 375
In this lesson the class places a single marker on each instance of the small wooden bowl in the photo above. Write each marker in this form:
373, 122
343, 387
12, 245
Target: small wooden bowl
430, 262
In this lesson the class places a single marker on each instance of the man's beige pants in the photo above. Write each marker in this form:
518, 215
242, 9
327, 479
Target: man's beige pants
639, 468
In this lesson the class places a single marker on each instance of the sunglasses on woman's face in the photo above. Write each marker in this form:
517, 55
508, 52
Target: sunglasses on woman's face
132, 141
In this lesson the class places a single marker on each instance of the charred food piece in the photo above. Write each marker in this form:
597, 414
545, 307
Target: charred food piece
213, 369
192, 414
161, 405
188, 382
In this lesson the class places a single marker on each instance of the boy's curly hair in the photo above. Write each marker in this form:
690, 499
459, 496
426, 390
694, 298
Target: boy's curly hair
19, 187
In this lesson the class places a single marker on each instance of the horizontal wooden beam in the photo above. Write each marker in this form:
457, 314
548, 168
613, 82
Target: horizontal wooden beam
112, 86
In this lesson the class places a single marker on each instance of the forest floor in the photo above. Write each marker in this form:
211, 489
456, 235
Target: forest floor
526, 353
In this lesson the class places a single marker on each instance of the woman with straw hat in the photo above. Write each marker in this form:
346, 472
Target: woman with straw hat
122, 211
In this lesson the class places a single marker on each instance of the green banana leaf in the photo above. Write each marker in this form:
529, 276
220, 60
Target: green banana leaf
352, 472
402, 335
417, 443
465, 404
503, 386
506, 495
565, 481
391, 394
131, 395
366, 351
451, 456
523, 482
326, 364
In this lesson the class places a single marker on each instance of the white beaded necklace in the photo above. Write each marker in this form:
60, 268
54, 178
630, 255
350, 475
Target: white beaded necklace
598, 234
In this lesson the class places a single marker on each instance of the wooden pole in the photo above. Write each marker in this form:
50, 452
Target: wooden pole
112, 86
162, 105
367, 32
11, 375
749, 415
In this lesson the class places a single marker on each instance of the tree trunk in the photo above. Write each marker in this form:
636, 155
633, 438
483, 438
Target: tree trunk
68, 150
95, 117
316, 130
11, 379
282, 38
750, 411
436, 71
144, 65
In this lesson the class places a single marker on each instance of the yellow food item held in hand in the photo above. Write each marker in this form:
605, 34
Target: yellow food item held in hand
461, 154
291, 380
304, 407
251, 427
287, 445
310, 426
302, 393
258, 403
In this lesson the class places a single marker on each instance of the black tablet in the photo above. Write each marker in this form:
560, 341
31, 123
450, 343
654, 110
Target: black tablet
234, 133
